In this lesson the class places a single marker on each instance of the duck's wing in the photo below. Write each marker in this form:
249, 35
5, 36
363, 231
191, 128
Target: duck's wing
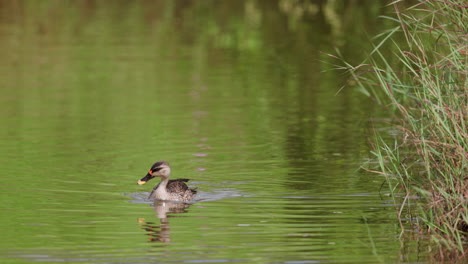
177, 186
193, 190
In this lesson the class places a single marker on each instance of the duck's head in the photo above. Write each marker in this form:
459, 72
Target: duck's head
159, 169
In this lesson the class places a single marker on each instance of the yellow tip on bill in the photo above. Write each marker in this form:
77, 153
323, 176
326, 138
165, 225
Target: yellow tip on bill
140, 182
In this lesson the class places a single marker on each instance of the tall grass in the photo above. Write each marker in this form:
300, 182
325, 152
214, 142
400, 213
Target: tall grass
418, 68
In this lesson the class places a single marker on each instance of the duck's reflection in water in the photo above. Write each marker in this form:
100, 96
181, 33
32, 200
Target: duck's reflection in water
162, 232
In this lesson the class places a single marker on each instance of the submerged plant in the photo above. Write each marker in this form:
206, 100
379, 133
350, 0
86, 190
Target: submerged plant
419, 69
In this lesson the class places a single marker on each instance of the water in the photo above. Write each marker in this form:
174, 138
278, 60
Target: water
233, 94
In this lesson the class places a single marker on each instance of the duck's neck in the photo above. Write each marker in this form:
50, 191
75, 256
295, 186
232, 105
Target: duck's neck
164, 182
160, 192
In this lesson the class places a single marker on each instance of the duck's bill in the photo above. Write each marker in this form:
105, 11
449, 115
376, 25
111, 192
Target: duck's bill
145, 179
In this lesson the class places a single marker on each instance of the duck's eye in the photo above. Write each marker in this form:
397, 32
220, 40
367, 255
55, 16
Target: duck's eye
156, 169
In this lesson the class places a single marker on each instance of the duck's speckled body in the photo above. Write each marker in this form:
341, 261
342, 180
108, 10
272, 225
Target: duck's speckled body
167, 190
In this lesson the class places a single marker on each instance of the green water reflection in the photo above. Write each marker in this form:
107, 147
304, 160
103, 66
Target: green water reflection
236, 95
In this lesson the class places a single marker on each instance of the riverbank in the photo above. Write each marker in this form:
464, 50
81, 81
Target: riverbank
418, 69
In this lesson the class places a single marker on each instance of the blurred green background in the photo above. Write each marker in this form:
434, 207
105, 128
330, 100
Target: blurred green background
239, 96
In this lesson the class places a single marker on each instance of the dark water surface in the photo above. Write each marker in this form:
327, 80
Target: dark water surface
233, 94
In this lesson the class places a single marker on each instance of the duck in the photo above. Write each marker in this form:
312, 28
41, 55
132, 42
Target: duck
167, 190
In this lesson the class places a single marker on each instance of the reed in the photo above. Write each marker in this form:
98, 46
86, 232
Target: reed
418, 69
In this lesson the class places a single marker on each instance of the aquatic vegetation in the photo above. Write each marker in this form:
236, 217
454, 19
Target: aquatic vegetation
418, 69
